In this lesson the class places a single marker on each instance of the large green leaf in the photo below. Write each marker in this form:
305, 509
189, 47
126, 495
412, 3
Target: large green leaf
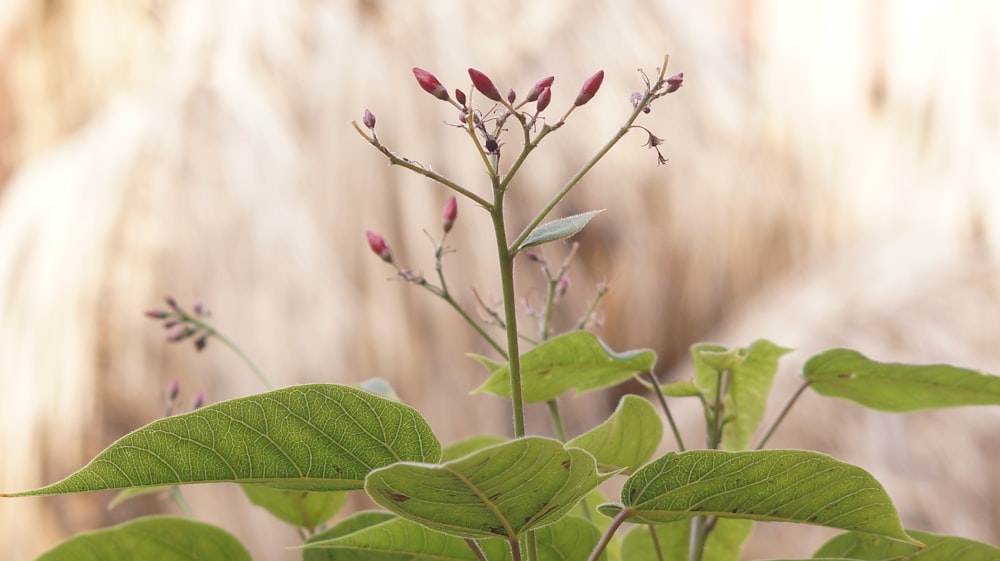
569, 539
574, 361
938, 548
401, 539
503, 490
356, 522
157, 537
724, 543
751, 373
469, 445
889, 386
319, 437
558, 229
766, 485
303, 509
627, 439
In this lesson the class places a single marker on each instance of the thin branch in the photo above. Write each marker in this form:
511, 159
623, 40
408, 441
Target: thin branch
781, 416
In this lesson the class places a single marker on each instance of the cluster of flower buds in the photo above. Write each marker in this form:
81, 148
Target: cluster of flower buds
181, 325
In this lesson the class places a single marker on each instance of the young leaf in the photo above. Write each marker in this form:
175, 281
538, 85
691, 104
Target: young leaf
938, 548
725, 543
354, 523
469, 445
403, 539
766, 485
156, 537
627, 439
751, 373
303, 509
574, 361
896, 387
319, 437
126, 495
500, 491
568, 539
557, 229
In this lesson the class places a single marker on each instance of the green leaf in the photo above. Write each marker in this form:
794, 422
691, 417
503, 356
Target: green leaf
156, 537
557, 229
469, 445
938, 548
766, 485
500, 491
628, 438
303, 509
400, 539
126, 495
680, 389
320, 437
354, 523
725, 543
751, 373
895, 387
574, 361
569, 539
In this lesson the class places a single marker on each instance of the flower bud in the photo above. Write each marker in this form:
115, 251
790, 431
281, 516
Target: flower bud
172, 303
485, 86
430, 83
543, 99
173, 388
157, 314
199, 401
200, 342
379, 247
675, 82
368, 119
589, 88
511, 95
538, 87
179, 333
460, 97
562, 286
449, 214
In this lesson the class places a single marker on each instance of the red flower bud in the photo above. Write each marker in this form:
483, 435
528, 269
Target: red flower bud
485, 86
511, 95
430, 83
173, 388
543, 99
199, 401
379, 247
537, 89
460, 97
675, 82
368, 119
589, 88
449, 214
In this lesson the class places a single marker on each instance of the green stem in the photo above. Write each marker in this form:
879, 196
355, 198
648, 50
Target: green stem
532, 543
476, 550
178, 497
656, 542
445, 295
698, 538
213, 332
556, 417
608, 534
506, 258
658, 392
781, 416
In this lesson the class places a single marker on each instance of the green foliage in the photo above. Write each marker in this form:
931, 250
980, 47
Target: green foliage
853, 545
303, 509
320, 437
155, 537
627, 439
674, 538
558, 229
355, 523
499, 491
765, 485
574, 361
889, 386
469, 445
399, 538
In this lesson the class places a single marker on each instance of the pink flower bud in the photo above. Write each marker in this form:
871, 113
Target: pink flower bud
379, 247
675, 82
511, 95
537, 89
172, 303
485, 86
460, 97
589, 88
430, 83
368, 119
543, 99
562, 286
179, 333
173, 388
199, 401
157, 314
449, 214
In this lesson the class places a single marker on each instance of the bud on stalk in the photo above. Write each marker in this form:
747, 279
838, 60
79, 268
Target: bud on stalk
543, 99
485, 86
368, 119
589, 88
379, 247
538, 87
430, 83
675, 82
449, 214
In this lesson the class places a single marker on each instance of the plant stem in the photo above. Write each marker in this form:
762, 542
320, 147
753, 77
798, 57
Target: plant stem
506, 258
666, 409
515, 550
781, 416
556, 417
532, 543
213, 332
476, 550
656, 542
606, 537
178, 497
698, 537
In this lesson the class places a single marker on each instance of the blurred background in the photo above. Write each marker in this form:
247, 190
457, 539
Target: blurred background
832, 181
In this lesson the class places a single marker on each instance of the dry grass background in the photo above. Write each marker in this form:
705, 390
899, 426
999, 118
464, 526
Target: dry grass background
832, 181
